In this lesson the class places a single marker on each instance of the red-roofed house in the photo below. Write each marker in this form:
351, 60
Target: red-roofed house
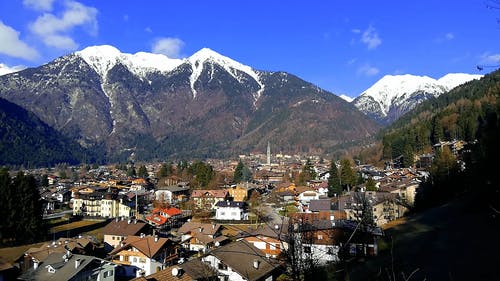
162, 217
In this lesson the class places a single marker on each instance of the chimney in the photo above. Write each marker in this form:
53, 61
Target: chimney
156, 238
129, 221
176, 271
143, 235
213, 225
77, 263
256, 264
35, 264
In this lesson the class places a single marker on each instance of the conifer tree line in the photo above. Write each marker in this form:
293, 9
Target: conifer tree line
20, 209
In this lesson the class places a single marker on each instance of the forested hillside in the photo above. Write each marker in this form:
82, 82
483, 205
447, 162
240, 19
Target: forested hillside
457, 114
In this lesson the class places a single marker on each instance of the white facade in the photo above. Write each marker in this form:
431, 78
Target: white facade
230, 213
323, 254
306, 197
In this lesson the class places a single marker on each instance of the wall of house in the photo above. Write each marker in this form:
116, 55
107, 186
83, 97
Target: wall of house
214, 263
229, 213
323, 254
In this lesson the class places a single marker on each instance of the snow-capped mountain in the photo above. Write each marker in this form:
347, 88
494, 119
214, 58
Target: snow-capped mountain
205, 104
394, 95
4, 69
346, 98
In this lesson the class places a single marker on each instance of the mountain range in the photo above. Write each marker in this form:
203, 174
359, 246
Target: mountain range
148, 106
394, 95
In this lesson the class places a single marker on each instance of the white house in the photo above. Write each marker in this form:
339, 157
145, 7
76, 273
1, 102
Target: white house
231, 210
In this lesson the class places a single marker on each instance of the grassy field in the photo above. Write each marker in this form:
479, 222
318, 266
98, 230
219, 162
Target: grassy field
456, 241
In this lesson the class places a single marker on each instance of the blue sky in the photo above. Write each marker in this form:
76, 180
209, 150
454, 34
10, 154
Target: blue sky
342, 46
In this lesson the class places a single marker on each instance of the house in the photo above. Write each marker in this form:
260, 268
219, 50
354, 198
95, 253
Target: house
117, 230
201, 237
231, 210
320, 241
242, 261
102, 204
306, 194
385, 206
320, 205
144, 254
80, 245
189, 271
173, 194
270, 240
240, 192
206, 199
67, 266
164, 217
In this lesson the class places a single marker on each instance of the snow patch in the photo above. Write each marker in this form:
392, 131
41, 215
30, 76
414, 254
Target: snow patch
346, 98
231, 66
103, 58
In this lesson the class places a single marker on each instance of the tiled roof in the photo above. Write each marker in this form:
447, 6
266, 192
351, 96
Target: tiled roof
124, 227
217, 193
146, 245
206, 228
232, 204
241, 255
190, 270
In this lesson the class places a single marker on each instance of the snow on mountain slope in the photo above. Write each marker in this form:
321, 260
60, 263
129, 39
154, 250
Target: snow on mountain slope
394, 95
198, 59
103, 58
453, 80
346, 98
4, 69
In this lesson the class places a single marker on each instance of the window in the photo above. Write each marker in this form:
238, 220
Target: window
320, 237
135, 259
330, 250
222, 266
307, 249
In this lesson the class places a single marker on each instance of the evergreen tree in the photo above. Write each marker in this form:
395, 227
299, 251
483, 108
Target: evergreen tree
238, 172
334, 187
165, 170
142, 172
308, 173
347, 175
370, 184
131, 171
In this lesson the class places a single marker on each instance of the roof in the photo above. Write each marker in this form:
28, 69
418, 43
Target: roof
241, 255
64, 270
191, 270
124, 227
206, 228
146, 245
218, 193
320, 205
231, 204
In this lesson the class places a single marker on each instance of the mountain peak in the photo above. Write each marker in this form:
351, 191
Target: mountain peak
198, 59
102, 58
394, 95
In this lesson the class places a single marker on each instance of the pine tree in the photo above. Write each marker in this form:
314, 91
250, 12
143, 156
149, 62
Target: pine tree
238, 172
142, 172
347, 175
370, 184
334, 187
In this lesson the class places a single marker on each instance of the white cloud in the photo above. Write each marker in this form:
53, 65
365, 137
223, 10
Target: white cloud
39, 5
487, 58
5, 69
449, 36
148, 29
12, 46
54, 30
370, 38
356, 31
171, 47
368, 70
